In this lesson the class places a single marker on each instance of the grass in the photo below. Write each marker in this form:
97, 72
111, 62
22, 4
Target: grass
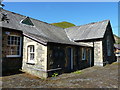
63, 24
55, 74
116, 63
77, 72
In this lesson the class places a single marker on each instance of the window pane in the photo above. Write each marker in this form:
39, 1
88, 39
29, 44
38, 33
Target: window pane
33, 48
15, 38
8, 40
30, 48
12, 38
15, 41
18, 38
17, 52
14, 45
18, 48
31, 56
83, 53
18, 42
11, 42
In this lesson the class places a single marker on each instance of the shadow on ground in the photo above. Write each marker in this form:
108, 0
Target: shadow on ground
11, 73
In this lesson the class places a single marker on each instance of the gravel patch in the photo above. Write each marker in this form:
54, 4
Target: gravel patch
93, 77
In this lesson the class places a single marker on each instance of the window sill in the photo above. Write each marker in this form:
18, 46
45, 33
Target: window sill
13, 56
30, 63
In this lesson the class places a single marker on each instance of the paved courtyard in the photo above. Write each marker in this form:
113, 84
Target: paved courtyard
94, 77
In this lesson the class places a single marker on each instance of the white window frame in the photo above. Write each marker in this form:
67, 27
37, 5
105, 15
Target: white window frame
84, 53
29, 54
19, 47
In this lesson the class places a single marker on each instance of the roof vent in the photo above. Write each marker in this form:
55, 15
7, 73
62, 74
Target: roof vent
27, 21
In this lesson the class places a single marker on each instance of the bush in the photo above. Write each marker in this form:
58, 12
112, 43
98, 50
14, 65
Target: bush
55, 74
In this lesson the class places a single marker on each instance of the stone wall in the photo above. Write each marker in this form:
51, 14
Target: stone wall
39, 68
9, 63
59, 58
98, 53
0, 51
0, 43
52, 58
108, 59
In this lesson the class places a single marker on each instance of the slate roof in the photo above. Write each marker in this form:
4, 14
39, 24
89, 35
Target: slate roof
88, 31
41, 31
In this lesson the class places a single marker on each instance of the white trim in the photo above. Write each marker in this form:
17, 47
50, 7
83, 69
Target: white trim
29, 54
90, 56
84, 51
44, 70
13, 55
19, 47
54, 69
31, 61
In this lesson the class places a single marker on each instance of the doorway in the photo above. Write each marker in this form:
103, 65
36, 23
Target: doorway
70, 59
90, 57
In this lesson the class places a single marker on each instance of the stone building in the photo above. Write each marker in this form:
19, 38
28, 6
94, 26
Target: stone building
42, 49
100, 36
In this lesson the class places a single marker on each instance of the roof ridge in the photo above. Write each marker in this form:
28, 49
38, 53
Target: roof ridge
31, 18
90, 23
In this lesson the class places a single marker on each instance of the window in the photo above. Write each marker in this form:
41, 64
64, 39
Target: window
31, 54
108, 46
14, 46
83, 54
27, 21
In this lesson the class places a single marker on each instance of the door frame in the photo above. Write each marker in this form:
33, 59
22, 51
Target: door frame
90, 57
70, 58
